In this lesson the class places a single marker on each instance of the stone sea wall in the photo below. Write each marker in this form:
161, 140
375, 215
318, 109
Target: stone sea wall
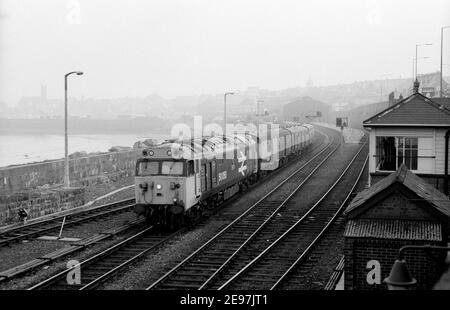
39, 203
38, 187
84, 171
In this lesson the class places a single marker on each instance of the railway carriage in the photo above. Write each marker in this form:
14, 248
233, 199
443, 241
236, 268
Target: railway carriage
178, 180
287, 140
295, 137
310, 132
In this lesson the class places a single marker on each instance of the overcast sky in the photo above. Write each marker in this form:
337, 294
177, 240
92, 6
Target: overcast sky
187, 47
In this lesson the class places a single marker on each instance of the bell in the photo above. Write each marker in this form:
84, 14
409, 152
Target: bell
400, 278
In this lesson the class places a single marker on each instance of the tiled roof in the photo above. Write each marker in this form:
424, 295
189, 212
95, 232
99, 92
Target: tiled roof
394, 229
406, 178
442, 101
413, 110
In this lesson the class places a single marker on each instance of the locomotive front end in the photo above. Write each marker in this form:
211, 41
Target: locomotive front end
163, 188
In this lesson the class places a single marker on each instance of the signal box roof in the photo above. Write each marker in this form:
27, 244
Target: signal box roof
415, 110
394, 229
415, 185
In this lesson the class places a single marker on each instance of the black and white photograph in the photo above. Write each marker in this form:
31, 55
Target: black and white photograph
224, 152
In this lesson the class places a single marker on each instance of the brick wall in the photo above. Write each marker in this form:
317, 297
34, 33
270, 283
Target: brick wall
396, 206
425, 267
85, 171
39, 203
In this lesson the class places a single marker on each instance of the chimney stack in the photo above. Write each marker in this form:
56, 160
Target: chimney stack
416, 86
392, 100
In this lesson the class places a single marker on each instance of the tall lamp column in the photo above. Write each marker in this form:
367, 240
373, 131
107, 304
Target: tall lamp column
66, 144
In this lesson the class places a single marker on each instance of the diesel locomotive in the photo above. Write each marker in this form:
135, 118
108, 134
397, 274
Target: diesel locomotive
179, 179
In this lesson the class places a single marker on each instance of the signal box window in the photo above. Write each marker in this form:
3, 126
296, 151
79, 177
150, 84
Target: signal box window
407, 152
148, 168
391, 152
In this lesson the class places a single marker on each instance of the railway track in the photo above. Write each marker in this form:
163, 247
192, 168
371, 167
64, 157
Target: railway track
273, 267
101, 267
40, 228
336, 275
48, 258
97, 269
203, 267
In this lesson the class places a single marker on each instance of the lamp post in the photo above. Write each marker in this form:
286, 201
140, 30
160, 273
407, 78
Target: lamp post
225, 111
414, 62
442, 50
417, 45
399, 277
66, 158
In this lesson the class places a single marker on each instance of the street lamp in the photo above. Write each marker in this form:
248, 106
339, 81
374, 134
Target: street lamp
225, 112
66, 162
414, 61
442, 49
417, 45
399, 277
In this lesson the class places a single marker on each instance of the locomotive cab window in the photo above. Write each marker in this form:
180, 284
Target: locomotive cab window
172, 168
148, 168
190, 168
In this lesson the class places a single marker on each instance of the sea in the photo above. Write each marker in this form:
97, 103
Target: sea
29, 148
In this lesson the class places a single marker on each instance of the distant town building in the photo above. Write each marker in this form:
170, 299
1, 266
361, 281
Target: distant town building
430, 92
306, 109
393, 100
430, 85
414, 132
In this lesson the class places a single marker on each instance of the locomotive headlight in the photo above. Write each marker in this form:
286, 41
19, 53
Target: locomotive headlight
158, 186
151, 153
175, 200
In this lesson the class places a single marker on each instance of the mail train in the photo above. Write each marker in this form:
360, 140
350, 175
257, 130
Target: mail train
178, 180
